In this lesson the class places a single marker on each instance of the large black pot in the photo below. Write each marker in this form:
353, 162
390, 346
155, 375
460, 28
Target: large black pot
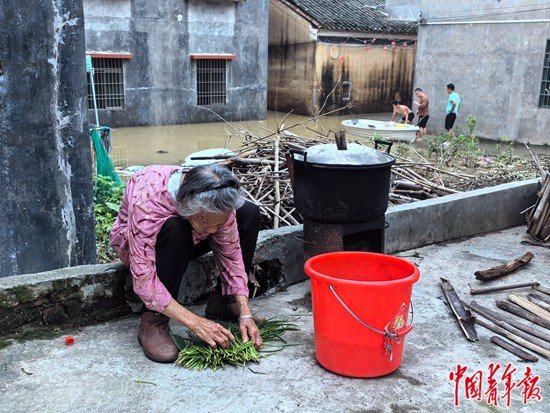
341, 194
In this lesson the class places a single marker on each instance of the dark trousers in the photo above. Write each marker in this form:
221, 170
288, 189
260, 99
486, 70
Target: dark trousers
175, 246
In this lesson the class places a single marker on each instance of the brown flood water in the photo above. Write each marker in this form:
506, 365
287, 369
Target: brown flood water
150, 145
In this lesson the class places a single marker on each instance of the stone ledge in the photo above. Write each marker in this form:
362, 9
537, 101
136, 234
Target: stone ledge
94, 293
459, 215
66, 297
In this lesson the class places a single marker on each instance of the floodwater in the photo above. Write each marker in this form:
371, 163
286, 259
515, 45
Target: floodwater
150, 145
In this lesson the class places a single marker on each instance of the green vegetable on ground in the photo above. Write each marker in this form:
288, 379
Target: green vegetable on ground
195, 354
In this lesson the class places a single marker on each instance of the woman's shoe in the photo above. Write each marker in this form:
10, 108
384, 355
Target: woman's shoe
154, 337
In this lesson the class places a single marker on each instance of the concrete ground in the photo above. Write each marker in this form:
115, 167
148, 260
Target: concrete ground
100, 372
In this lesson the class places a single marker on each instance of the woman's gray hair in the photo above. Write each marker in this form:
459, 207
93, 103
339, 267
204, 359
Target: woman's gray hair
209, 188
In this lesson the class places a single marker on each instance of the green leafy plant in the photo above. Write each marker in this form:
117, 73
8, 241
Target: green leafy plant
463, 149
471, 122
505, 151
195, 354
403, 149
107, 197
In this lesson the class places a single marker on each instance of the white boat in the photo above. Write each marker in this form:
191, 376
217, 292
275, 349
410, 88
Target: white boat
391, 131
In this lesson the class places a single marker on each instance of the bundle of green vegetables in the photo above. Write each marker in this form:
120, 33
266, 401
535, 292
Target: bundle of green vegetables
195, 354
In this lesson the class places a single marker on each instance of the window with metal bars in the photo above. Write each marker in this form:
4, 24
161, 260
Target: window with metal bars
211, 82
346, 90
544, 100
108, 82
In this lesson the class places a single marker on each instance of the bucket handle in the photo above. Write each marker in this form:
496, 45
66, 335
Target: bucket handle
298, 152
389, 337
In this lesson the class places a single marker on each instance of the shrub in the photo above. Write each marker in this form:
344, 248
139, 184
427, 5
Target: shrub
107, 197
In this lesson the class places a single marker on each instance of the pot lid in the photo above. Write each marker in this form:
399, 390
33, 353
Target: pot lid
355, 155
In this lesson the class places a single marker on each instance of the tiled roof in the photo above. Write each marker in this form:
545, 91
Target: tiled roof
352, 15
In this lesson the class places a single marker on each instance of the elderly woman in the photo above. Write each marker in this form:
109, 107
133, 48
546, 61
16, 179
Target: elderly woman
166, 218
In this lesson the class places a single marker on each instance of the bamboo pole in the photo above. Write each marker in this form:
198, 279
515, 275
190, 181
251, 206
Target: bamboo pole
277, 208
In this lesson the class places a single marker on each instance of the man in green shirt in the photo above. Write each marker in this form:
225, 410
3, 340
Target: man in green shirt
453, 104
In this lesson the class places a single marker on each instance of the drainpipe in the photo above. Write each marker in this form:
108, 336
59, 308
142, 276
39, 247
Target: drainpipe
90, 70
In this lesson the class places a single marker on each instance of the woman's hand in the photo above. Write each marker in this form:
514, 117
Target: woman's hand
249, 331
247, 325
208, 331
211, 332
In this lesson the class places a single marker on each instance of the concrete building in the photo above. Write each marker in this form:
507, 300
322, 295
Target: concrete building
177, 61
46, 175
496, 52
350, 46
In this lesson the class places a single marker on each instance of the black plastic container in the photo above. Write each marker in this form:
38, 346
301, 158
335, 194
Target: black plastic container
341, 194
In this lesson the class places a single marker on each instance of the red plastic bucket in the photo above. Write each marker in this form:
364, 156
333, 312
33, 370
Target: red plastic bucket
360, 308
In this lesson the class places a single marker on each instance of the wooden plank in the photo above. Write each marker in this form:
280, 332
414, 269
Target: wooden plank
529, 306
475, 291
464, 316
516, 351
505, 269
520, 312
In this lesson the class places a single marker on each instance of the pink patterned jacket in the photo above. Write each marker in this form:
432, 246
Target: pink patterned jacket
145, 207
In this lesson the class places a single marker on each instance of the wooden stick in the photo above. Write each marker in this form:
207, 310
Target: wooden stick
529, 306
536, 220
520, 312
288, 215
537, 162
522, 342
254, 161
505, 269
277, 186
542, 289
519, 325
516, 351
529, 240
475, 291
508, 327
539, 300
341, 143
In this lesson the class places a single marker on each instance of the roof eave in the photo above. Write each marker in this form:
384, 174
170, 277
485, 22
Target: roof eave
301, 13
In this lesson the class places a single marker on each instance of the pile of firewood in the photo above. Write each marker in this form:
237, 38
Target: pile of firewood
261, 167
413, 181
260, 164
538, 217
524, 337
